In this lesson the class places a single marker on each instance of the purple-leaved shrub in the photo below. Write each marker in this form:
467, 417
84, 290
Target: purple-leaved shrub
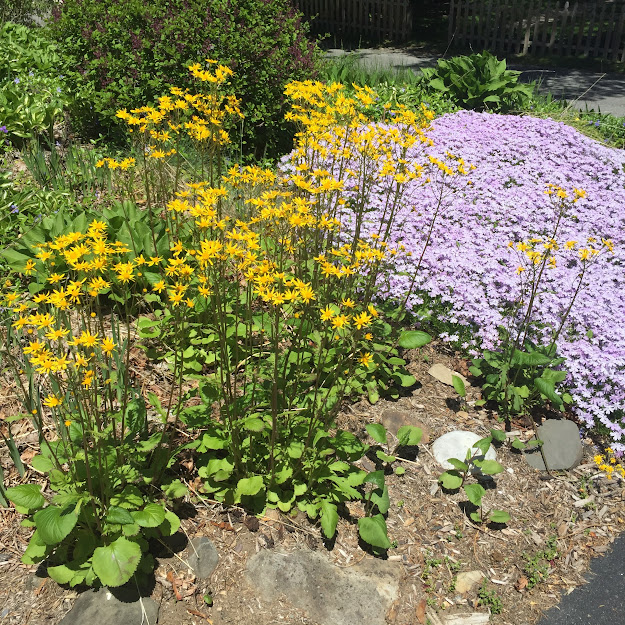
469, 267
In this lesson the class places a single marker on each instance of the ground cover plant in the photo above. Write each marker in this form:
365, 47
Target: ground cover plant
473, 270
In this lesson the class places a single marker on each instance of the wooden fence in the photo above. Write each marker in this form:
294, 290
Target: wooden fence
589, 28
372, 20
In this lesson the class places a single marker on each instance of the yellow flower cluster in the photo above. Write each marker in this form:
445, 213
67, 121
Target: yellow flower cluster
609, 464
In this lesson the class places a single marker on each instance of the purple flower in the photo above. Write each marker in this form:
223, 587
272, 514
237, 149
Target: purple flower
14, 209
4, 129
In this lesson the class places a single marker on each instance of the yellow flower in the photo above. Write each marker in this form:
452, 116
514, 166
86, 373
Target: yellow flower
159, 286
340, 321
327, 313
365, 359
108, 345
67, 423
348, 303
52, 401
361, 320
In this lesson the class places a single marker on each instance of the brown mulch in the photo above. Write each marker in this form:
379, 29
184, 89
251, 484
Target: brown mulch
573, 515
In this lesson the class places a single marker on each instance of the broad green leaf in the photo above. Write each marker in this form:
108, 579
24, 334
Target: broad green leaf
129, 498
61, 574
458, 464
175, 489
498, 435
483, 444
409, 435
489, 467
148, 328
36, 551
400, 470
450, 480
170, 525
547, 388
474, 492
517, 444
136, 416
373, 531
459, 385
377, 432
249, 486
116, 563
119, 516
498, 516
529, 359
54, 524
254, 424
26, 496
376, 478
84, 546
151, 516
329, 518
381, 499
475, 516
413, 339
373, 394
42, 463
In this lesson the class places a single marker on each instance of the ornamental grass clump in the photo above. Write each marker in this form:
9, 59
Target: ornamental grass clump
257, 297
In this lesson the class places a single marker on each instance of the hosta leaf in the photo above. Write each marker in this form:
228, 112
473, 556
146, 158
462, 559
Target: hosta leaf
373, 531
116, 563
54, 524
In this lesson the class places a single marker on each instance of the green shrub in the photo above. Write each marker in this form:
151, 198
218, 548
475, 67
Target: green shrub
479, 82
32, 92
125, 54
28, 12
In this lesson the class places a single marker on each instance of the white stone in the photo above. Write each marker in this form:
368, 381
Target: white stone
455, 445
467, 580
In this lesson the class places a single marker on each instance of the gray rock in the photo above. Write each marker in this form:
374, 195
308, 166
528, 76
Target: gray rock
466, 581
562, 446
102, 607
203, 557
444, 374
455, 445
392, 420
330, 595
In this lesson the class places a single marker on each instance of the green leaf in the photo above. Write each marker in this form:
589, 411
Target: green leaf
26, 496
61, 574
377, 432
373, 531
488, 467
148, 328
459, 385
498, 435
529, 359
483, 444
372, 392
170, 525
151, 516
119, 516
458, 464
413, 339
116, 563
475, 516
400, 470
547, 388
54, 524
36, 551
517, 444
249, 486
498, 516
381, 499
409, 435
474, 492
329, 518
254, 424
42, 463
450, 480
136, 416
376, 478
175, 489
384, 457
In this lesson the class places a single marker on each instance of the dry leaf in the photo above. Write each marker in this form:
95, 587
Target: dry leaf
421, 611
521, 583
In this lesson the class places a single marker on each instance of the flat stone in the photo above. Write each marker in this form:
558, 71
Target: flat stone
444, 374
455, 445
562, 446
203, 557
102, 607
392, 420
467, 580
330, 595
467, 618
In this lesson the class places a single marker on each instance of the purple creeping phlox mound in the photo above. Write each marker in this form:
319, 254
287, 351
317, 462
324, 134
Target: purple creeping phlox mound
470, 266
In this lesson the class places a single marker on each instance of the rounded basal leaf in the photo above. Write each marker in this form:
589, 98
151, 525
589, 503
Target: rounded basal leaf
530, 359
329, 518
498, 435
517, 444
375, 477
450, 480
170, 525
61, 574
36, 551
488, 467
413, 339
151, 516
409, 435
458, 464
400, 470
373, 531
249, 486
54, 524
474, 492
498, 516
42, 463
116, 563
459, 385
26, 496
377, 432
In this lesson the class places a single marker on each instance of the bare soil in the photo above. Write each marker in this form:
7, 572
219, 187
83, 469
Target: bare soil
559, 522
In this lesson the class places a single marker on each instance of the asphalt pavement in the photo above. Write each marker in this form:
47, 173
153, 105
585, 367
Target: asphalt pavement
584, 90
